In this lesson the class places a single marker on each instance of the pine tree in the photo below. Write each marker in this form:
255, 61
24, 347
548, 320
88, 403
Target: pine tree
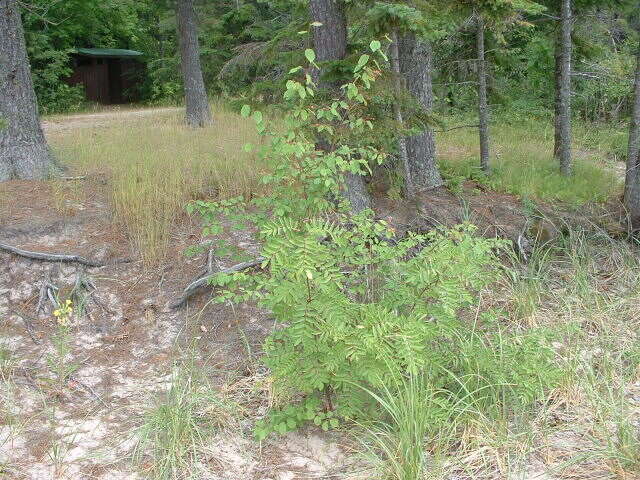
632, 180
563, 103
330, 44
198, 111
24, 152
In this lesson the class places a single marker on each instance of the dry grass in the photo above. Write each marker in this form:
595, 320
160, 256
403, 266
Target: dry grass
155, 165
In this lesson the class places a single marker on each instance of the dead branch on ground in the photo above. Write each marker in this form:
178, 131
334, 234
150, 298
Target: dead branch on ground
56, 257
201, 282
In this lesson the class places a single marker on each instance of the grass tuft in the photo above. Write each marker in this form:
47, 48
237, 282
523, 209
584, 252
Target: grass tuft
175, 430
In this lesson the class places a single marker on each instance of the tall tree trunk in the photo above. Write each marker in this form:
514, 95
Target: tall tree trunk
330, 44
330, 38
394, 57
557, 54
416, 59
198, 111
563, 114
483, 106
632, 181
24, 152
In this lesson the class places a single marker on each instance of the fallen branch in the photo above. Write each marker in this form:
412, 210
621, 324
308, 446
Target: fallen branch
456, 128
196, 285
55, 257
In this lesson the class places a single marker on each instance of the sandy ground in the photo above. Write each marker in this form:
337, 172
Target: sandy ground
63, 123
124, 347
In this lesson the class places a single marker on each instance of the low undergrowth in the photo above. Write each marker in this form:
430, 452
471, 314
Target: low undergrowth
392, 334
522, 164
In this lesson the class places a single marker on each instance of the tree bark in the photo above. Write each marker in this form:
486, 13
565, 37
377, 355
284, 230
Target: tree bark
24, 152
632, 180
330, 44
198, 112
416, 58
394, 57
483, 106
330, 38
557, 54
563, 114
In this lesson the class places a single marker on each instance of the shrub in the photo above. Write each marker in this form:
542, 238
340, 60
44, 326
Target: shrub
357, 308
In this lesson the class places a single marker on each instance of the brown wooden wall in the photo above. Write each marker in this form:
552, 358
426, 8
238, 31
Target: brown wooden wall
107, 80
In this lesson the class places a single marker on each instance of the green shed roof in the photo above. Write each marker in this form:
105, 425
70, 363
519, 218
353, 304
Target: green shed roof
108, 52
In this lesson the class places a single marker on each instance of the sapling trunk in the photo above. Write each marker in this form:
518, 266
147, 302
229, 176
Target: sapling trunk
483, 106
563, 109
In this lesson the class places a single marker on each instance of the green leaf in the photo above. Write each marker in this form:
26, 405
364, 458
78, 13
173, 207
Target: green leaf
310, 54
248, 147
374, 45
245, 111
362, 62
257, 116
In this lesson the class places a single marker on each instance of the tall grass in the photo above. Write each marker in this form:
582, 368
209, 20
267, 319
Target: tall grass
155, 165
175, 429
397, 442
522, 164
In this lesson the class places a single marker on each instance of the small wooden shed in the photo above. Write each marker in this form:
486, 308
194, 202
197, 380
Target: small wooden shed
109, 75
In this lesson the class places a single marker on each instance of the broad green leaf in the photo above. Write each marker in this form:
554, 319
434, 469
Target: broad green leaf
362, 62
310, 54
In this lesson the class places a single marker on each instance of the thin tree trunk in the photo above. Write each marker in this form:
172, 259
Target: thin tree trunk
558, 86
416, 59
483, 106
394, 57
632, 181
198, 112
330, 44
24, 152
563, 115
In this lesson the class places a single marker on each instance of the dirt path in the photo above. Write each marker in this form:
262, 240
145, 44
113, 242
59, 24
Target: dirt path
63, 123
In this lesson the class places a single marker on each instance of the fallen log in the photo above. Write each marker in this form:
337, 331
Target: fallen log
201, 282
55, 257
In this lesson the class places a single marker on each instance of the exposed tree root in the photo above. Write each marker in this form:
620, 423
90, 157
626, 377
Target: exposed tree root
201, 282
55, 257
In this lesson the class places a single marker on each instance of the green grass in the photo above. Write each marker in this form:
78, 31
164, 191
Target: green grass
155, 165
175, 429
578, 296
396, 444
522, 164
